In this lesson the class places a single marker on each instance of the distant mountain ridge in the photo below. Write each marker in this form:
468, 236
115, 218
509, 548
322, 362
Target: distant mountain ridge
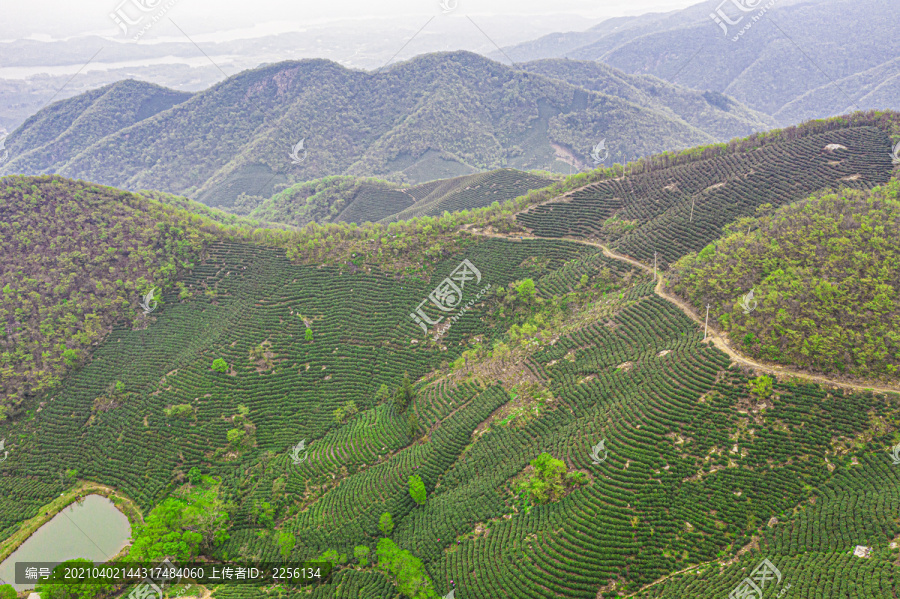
800, 60
436, 116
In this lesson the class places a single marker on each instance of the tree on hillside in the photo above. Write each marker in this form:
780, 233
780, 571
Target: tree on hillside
404, 394
761, 386
417, 489
190, 522
525, 290
407, 569
546, 483
220, 365
384, 393
361, 553
195, 476
286, 542
386, 523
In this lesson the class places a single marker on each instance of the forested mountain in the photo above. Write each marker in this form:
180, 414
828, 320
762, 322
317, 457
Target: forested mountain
53, 136
488, 403
808, 284
435, 116
74, 256
797, 60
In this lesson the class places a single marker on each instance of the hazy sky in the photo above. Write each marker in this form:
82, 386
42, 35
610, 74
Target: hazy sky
45, 19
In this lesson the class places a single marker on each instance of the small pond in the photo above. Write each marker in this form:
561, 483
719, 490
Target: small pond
94, 529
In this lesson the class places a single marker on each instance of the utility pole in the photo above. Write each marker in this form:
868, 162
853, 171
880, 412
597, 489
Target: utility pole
706, 326
654, 266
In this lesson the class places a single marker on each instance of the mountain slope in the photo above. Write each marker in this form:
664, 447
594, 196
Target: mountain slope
48, 139
74, 256
767, 68
664, 455
671, 207
469, 192
407, 123
599, 357
329, 199
823, 298
708, 111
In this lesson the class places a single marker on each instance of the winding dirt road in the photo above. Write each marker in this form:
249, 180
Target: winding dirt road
717, 338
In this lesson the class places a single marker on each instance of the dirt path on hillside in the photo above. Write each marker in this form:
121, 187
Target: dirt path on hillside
718, 339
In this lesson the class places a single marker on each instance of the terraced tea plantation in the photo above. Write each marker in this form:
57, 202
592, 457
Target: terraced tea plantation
469, 192
681, 209
576, 436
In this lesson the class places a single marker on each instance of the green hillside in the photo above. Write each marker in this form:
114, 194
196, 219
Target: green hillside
673, 205
76, 259
213, 214
469, 192
50, 138
334, 199
359, 200
428, 118
823, 281
561, 430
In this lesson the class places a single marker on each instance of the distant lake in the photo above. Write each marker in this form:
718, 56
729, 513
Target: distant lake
95, 530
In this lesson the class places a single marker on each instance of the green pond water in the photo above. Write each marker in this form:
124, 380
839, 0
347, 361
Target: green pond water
95, 530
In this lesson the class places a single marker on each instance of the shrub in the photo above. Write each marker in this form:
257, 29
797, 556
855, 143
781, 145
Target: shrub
181, 411
195, 476
236, 438
347, 410
761, 386
220, 365
70, 358
360, 552
546, 483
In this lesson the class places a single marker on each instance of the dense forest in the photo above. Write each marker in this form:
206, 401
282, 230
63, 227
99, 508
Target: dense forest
823, 278
76, 258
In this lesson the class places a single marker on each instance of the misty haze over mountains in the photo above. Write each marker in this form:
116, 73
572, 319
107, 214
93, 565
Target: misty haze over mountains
804, 59
791, 59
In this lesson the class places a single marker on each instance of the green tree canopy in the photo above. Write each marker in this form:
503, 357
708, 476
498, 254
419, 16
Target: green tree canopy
407, 570
417, 489
87, 588
547, 481
525, 290
185, 525
286, 542
386, 523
